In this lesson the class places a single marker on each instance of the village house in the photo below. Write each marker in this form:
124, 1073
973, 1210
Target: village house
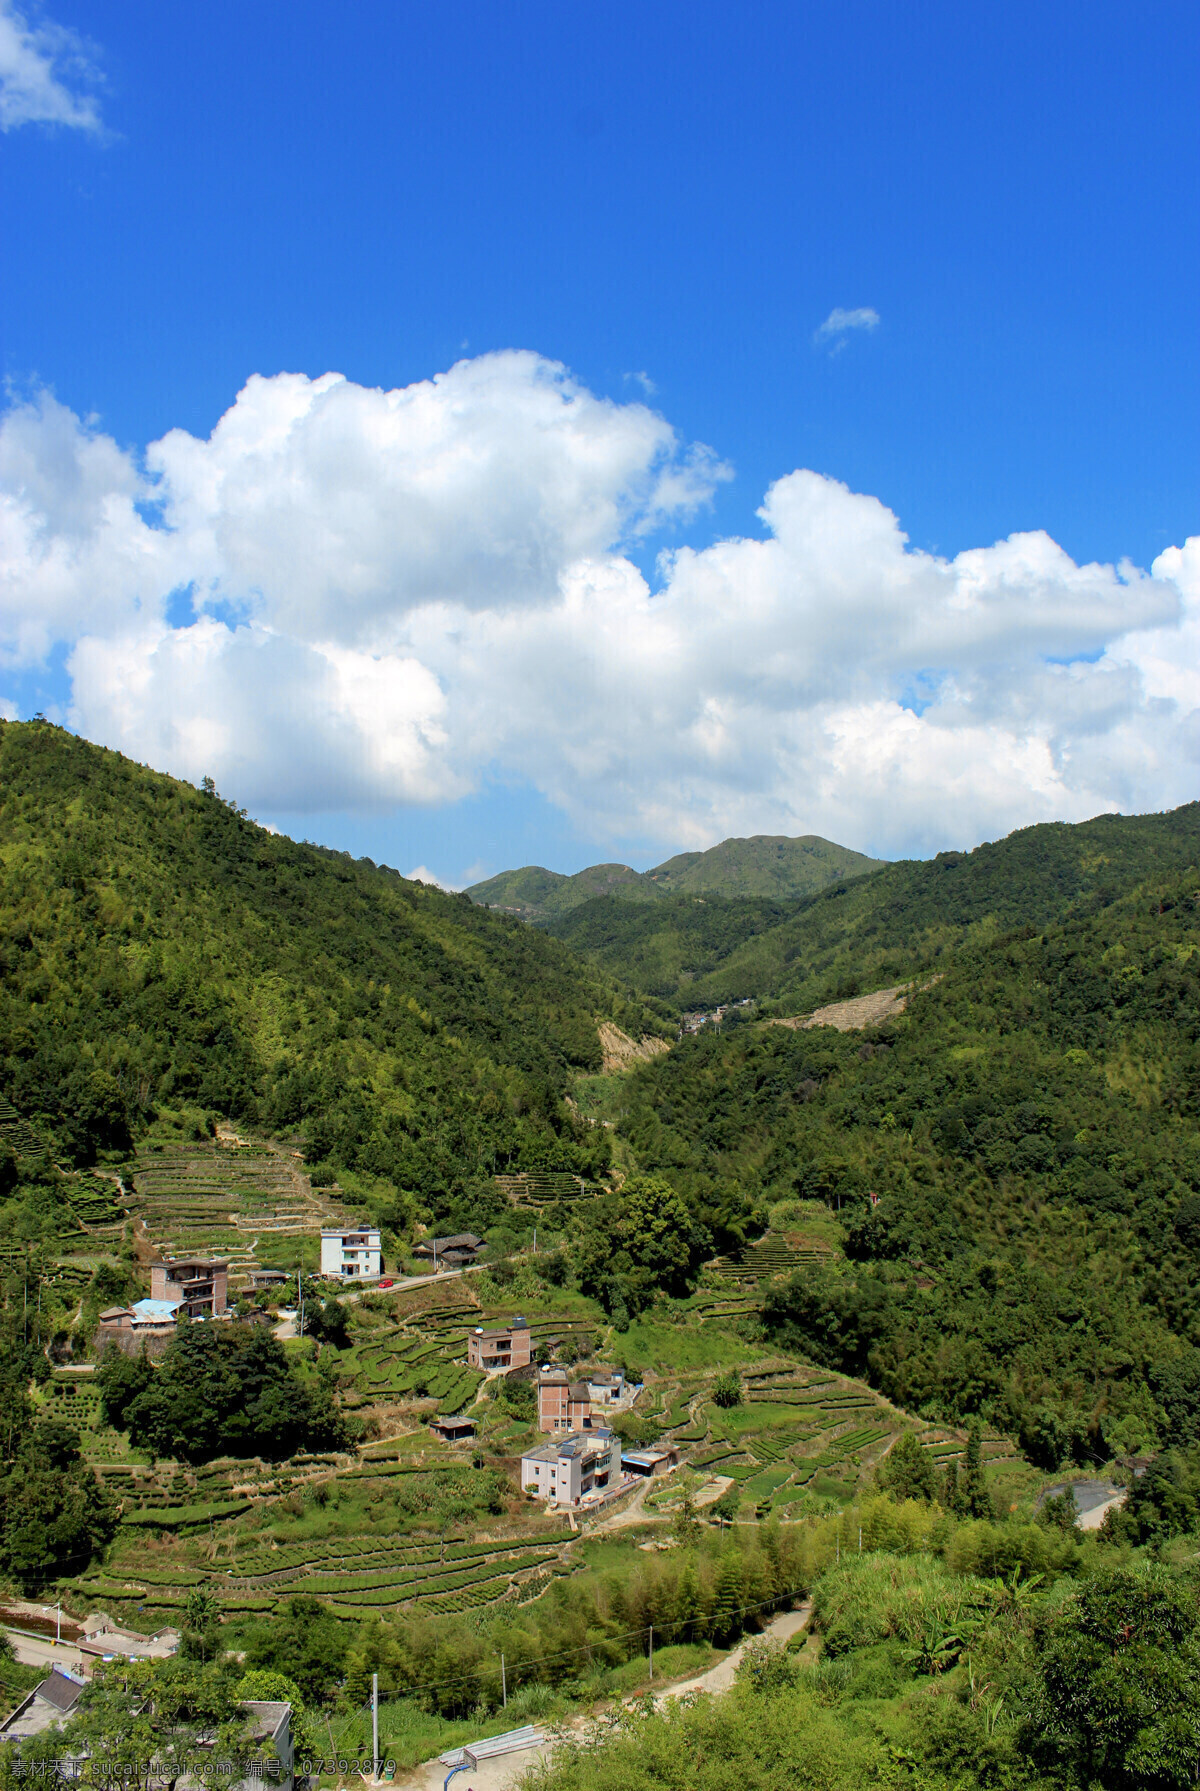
196, 1285
606, 1388
575, 1404
146, 1325
352, 1253
502, 1348
102, 1639
563, 1404
269, 1725
262, 1280
457, 1252
573, 1469
267, 1737
453, 1430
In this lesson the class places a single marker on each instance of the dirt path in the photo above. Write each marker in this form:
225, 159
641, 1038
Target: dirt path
505, 1773
721, 1677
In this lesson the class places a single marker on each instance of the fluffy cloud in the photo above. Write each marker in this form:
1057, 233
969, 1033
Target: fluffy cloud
40, 72
353, 598
834, 332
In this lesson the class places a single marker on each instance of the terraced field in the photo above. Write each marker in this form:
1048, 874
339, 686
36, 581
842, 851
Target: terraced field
776, 1254
542, 1187
423, 1355
225, 1199
793, 1424
357, 1578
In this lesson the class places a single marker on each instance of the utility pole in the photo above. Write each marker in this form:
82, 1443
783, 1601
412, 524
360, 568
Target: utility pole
503, 1684
374, 1725
652, 1651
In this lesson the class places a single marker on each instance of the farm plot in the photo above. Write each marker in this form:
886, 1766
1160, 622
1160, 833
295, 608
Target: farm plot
430, 1576
792, 1424
215, 1199
774, 1254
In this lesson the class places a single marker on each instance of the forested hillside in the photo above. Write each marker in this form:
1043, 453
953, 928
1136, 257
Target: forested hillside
159, 948
880, 928
767, 865
1031, 1130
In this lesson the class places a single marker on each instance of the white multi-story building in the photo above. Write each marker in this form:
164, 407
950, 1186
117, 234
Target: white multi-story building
573, 1468
352, 1254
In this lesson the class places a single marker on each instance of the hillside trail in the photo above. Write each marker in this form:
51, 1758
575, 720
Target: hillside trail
505, 1773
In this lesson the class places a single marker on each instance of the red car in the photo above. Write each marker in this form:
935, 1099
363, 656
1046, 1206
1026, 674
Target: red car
388, 1283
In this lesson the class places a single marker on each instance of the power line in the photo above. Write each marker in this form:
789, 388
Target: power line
535, 1660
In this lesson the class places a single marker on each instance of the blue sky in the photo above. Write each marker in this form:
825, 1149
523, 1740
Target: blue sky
670, 201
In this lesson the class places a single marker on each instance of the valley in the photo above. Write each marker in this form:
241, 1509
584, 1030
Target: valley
891, 1252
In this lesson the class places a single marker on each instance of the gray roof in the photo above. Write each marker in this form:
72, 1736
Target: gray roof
462, 1240
60, 1691
267, 1716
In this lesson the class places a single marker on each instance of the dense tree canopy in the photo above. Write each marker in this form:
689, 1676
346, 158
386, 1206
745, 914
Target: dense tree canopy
157, 947
219, 1390
1030, 1130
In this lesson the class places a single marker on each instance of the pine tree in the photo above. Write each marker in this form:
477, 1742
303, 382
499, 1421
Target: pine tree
975, 1494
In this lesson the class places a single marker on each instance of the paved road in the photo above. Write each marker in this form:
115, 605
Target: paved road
504, 1774
287, 1326
33, 1651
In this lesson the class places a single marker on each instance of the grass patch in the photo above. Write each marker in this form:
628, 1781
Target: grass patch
663, 1347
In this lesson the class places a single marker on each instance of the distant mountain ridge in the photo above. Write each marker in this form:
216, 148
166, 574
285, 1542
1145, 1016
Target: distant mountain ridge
869, 932
765, 865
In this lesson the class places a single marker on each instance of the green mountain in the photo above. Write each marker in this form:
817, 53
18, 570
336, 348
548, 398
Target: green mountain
899, 921
158, 949
765, 866
1016, 1161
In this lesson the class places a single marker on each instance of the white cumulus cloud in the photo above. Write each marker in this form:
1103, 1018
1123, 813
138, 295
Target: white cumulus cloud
834, 332
389, 594
42, 71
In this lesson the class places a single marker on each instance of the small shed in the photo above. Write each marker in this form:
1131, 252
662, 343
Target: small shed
648, 1464
454, 1430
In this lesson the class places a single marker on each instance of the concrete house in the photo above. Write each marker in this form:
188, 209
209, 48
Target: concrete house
563, 1404
574, 1469
502, 1348
196, 1285
352, 1253
606, 1388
